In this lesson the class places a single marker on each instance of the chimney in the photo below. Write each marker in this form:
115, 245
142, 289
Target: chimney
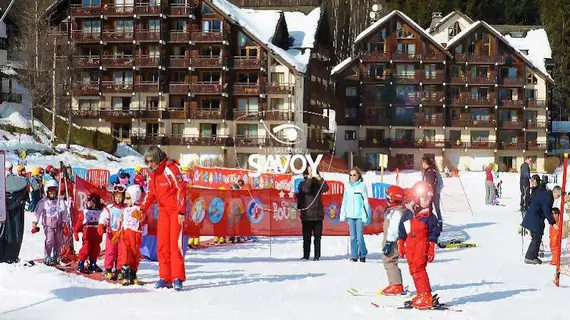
435, 19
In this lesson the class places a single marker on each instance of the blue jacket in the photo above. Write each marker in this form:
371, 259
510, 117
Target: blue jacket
355, 203
426, 217
540, 208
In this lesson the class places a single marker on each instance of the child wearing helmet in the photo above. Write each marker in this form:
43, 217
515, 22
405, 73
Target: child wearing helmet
109, 223
130, 234
418, 234
392, 215
37, 189
139, 178
22, 171
51, 211
88, 223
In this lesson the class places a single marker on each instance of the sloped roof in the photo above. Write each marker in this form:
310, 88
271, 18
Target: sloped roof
449, 16
368, 31
537, 66
343, 65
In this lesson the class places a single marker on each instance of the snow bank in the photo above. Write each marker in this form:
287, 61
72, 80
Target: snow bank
9, 115
124, 150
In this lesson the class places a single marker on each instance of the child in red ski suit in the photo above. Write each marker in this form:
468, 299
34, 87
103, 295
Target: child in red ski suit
109, 223
554, 235
87, 224
418, 234
130, 234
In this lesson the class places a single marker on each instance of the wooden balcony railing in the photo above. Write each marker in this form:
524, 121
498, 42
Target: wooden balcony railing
207, 114
430, 144
179, 62
480, 59
147, 61
455, 144
511, 145
250, 141
402, 143
175, 112
117, 113
182, 9
433, 98
517, 104
247, 115
408, 100
147, 35
86, 114
78, 10
458, 101
405, 57
436, 77
207, 62
148, 139
483, 144
246, 89
415, 77
179, 36
118, 10
206, 88
147, 9
146, 86
536, 104
112, 87
375, 57
483, 123
457, 79
460, 122
373, 142
211, 36
178, 88
118, 36
279, 88
535, 124
533, 145
474, 79
512, 124
435, 120
433, 56
117, 61
86, 88
518, 82
246, 62
87, 61
488, 101
80, 36
372, 117
279, 115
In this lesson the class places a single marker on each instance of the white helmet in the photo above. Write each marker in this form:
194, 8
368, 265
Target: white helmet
51, 184
8, 165
135, 192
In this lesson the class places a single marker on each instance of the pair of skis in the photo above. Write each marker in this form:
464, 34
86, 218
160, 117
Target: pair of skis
407, 304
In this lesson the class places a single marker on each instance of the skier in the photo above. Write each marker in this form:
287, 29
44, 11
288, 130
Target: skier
22, 171
109, 223
554, 235
37, 189
88, 222
418, 234
52, 213
131, 233
392, 216
8, 167
139, 178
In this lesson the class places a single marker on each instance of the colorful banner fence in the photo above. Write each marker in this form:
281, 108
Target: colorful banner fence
216, 178
266, 212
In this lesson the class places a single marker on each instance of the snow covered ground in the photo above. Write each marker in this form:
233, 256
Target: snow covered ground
252, 281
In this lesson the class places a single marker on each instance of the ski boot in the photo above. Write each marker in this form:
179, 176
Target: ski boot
191, 243
424, 301
93, 267
133, 278
232, 239
541, 250
162, 284
81, 267
110, 275
48, 261
197, 242
393, 290
177, 285
119, 275
126, 276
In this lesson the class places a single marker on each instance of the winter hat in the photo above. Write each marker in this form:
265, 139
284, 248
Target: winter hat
135, 193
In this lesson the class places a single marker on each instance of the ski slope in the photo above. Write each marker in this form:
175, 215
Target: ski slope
266, 280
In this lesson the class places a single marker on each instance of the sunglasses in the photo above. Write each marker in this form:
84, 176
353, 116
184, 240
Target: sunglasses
119, 188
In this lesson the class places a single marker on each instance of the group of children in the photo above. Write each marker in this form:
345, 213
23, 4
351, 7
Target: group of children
121, 221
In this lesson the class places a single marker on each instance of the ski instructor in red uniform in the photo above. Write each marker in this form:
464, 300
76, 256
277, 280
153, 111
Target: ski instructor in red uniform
167, 188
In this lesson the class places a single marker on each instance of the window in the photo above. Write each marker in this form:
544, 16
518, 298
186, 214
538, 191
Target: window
377, 42
454, 30
351, 92
430, 70
406, 93
455, 135
455, 92
176, 102
408, 48
531, 94
277, 104
247, 130
376, 71
89, 76
480, 115
208, 129
153, 25
211, 26
479, 136
121, 130
122, 51
152, 129
149, 76
88, 104
486, 48
248, 77
405, 71
350, 113
151, 51
429, 135
90, 51
480, 72
349, 134
245, 41
404, 134
456, 71
249, 52
178, 129
243, 160
122, 77
206, 9
404, 114
509, 72
121, 103
376, 47
124, 26
211, 51
480, 93
152, 103
178, 51
375, 135
404, 31
90, 3
179, 25
277, 78
524, 51
210, 104
373, 160
248, 105
210, 76
178, 76
91, 26
530, 78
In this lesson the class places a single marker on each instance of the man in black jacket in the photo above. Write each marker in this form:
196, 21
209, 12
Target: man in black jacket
525, 184
312, 211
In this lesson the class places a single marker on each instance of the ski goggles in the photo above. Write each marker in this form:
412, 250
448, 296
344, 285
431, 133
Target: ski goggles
119, 188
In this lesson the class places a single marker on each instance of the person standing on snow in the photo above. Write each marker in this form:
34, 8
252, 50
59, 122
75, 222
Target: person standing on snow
87, 224
356, 208
312, 211
418, 235
524, 184
167, 188
539, 208
392, 216
489, 185
432, 176
36, 186
109, 223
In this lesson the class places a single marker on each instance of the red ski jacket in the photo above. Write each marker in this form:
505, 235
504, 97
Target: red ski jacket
166, 187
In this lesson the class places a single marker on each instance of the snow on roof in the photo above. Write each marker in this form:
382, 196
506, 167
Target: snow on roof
537, 44
375, 25
302, 28
262, 24
341, 66
8, 71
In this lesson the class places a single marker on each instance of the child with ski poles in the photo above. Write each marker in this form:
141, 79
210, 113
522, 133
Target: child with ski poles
52, 213
87, 224
392, 216
130, 235
109, 223
418, 235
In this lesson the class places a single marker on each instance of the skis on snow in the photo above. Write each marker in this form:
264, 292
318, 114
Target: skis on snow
407, 305
380, 293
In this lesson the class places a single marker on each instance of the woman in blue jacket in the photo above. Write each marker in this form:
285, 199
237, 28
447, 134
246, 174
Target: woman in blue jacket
356, 209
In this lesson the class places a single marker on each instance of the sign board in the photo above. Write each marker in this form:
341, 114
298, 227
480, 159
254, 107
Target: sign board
560, 126
2, 187
383, 161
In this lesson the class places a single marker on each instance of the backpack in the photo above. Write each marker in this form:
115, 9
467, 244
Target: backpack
439, 182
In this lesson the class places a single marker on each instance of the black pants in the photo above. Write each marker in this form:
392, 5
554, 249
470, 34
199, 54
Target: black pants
316, 229
525, 196
534, 246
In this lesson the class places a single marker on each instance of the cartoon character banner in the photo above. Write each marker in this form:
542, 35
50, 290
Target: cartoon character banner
224, 178
266, 212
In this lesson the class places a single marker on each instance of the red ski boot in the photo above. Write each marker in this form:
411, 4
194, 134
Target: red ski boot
423, 301
393, 290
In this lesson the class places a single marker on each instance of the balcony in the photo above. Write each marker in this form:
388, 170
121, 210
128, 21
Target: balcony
250, 141
512, 82
408, 100
373, 117
458, 80
206, 88
112, 10
512, 124
415, 77
462, 121
402, 143
85, 114
87, 61
200, 141
248, 115
515, 104
179, 36
147, 61
80, 36
536, 104
483, 123
430, 144
533, 145
11, 97
279, 88
481, 145
150, 113
488, 101
117, 61
178, 88
374, 143
204, 37
455, 144
279, 115
208, 114
150, 139
406, 57
112, 87
474, 79
146, 86
437, 77
118, 36
207, 62
147, 35
458, 101
179, 62
375, 57
433, 57
480, 59
535, 124
88, 11
177, 112
242, 89
511, 145
435, 120
82, 88
147, 9
246, 62
182, 10
436, 98
119, 113
374, 77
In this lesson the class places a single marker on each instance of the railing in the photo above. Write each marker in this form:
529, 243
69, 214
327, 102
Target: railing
453, 144
147, 9
246, 62
535, 124
457, 79
512, 145
112, 87
149, 139
11, 97
536, 104
179, 62
433, 77
470, 58
374, 143
179, 88
250, 141
408, 101
375, 118
402, 143
208, 62
457, 101
176, 112
507, 103
474, 79
433, 98
179, 36
86, 88
246, 89
206, 88
463, 121
78, 10
279, 88
430, 144
87, 61
436, 120
119, 36
416, 77
512, 81
112, 9
405, 56
146, 86
207, 113
82, 113
375, 57
147, 35
117, 61
248, 115
147, 61
481, 145
480, 123
533, 145
491, 101
512, 124
119, 113
81, 36
212, 36
279, 115
182, 9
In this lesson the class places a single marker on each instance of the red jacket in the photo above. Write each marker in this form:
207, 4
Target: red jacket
166, 187
489, 175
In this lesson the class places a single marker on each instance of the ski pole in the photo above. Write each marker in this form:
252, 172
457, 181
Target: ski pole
465, 193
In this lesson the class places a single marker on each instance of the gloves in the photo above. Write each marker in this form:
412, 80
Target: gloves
402, 248
116, 237
65, 230
75, 236
431, 251
138, 215
388, 248
101, 229
35, 228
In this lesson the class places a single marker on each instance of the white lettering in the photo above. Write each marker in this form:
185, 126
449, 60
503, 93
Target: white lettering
273, 163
